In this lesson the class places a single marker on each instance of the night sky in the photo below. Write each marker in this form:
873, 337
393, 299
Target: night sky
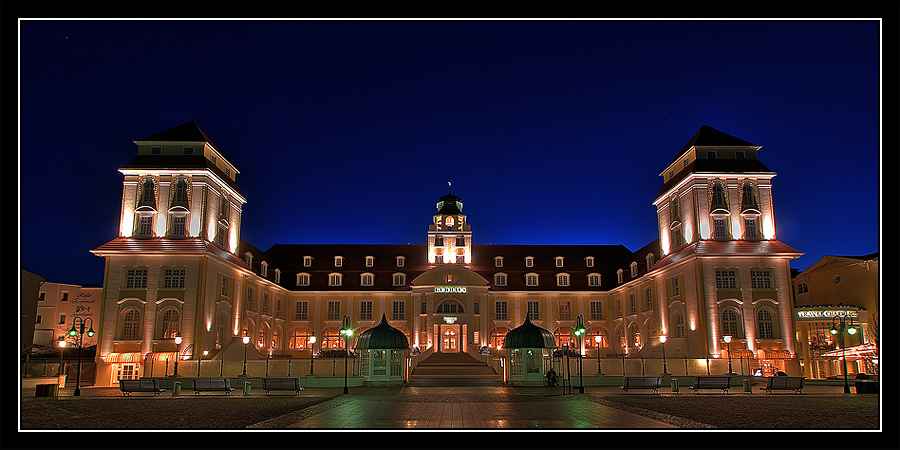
551, 132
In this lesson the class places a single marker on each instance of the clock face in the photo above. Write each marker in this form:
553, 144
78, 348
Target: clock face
449, 221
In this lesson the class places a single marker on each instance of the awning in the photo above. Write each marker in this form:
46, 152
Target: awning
117, 358
136, 357
859, 351
774, 354
739, 353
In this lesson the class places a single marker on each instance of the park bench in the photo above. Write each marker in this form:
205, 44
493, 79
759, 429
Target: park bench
641, 383
143, 385
281, 384
783, 384
712, 382
211, 384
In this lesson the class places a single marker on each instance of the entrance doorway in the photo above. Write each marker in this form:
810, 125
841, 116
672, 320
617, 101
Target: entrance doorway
450, 338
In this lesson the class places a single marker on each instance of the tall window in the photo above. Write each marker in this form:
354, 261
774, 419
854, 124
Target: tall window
301, 311
726, 279
180, 196
632, 304
147, 195
760, 279
720, 228
398, 310
718, 197
750, 229
731, 323
265, 303
225, 286
136, 278
679, 325
365, 310
765, 324
334, 311
131, 325
565, 310
597, 310
174, 278
250, 299
500, 311
178, 226
534, 310
648, 298
145, 225
170, 323
675, 289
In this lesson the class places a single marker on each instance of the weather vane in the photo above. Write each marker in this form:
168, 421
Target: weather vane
448, 187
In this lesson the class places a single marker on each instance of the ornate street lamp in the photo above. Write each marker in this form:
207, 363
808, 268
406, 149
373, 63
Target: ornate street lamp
205, 352
177, 354
662, 339
245, 340
346, 331
579, 334
728, 349
62, 346
838, 326
312, 343
78, 334
597, 339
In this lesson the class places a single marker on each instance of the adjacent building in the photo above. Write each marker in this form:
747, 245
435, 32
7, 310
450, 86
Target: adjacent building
179, 267
831, 289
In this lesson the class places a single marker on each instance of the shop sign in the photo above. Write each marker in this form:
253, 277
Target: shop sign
450, 320
828, 313
449, 290
83, 303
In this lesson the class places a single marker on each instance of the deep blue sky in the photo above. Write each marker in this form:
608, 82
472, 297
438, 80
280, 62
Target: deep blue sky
348, 132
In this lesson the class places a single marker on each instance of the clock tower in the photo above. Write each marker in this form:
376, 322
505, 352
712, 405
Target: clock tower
449, 236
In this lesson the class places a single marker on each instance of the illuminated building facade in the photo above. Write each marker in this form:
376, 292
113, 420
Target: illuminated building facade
837, 286
180, 267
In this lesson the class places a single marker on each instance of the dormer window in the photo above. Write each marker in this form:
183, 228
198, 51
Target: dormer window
529, 261
650, 261
307, 261
370, 261
278, 275
264, 269
367, 279
401, 261
558, 261
188, 151
302, 279
500, 279
335, 279
498, 261
531, 279
155, 150
399, 279
634, 270
593, 279
589, 261
338, 261
248, 259
620, 275
562, 280
740, 154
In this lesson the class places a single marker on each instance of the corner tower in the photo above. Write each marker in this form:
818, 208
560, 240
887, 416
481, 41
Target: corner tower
449, 235
714, 189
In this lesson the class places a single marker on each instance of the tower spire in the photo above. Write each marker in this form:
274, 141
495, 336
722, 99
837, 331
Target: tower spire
448, 187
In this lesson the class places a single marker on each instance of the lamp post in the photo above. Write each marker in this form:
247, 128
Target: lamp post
78, 334
579, 334
312, 343
177, 354
728, 349
205, 352
62, 346
662, 339
245, 340
838, 326
597, 340
346, 331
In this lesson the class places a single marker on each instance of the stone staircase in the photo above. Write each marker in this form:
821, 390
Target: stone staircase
453, 369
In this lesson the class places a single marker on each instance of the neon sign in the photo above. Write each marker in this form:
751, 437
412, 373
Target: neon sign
826, 313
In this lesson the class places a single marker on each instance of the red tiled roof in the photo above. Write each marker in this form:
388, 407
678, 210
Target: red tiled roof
163, 245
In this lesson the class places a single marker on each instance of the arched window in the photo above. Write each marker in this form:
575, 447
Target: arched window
180, 196
147, 193
300, 338
220, 331
718, 197
731, 323
591, 338
748, 198
620, 337
131, 325
497, 336
564, 336
635, 334
170, 323
765, 323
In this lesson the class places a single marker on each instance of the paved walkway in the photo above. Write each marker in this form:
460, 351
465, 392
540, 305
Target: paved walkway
461, 408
